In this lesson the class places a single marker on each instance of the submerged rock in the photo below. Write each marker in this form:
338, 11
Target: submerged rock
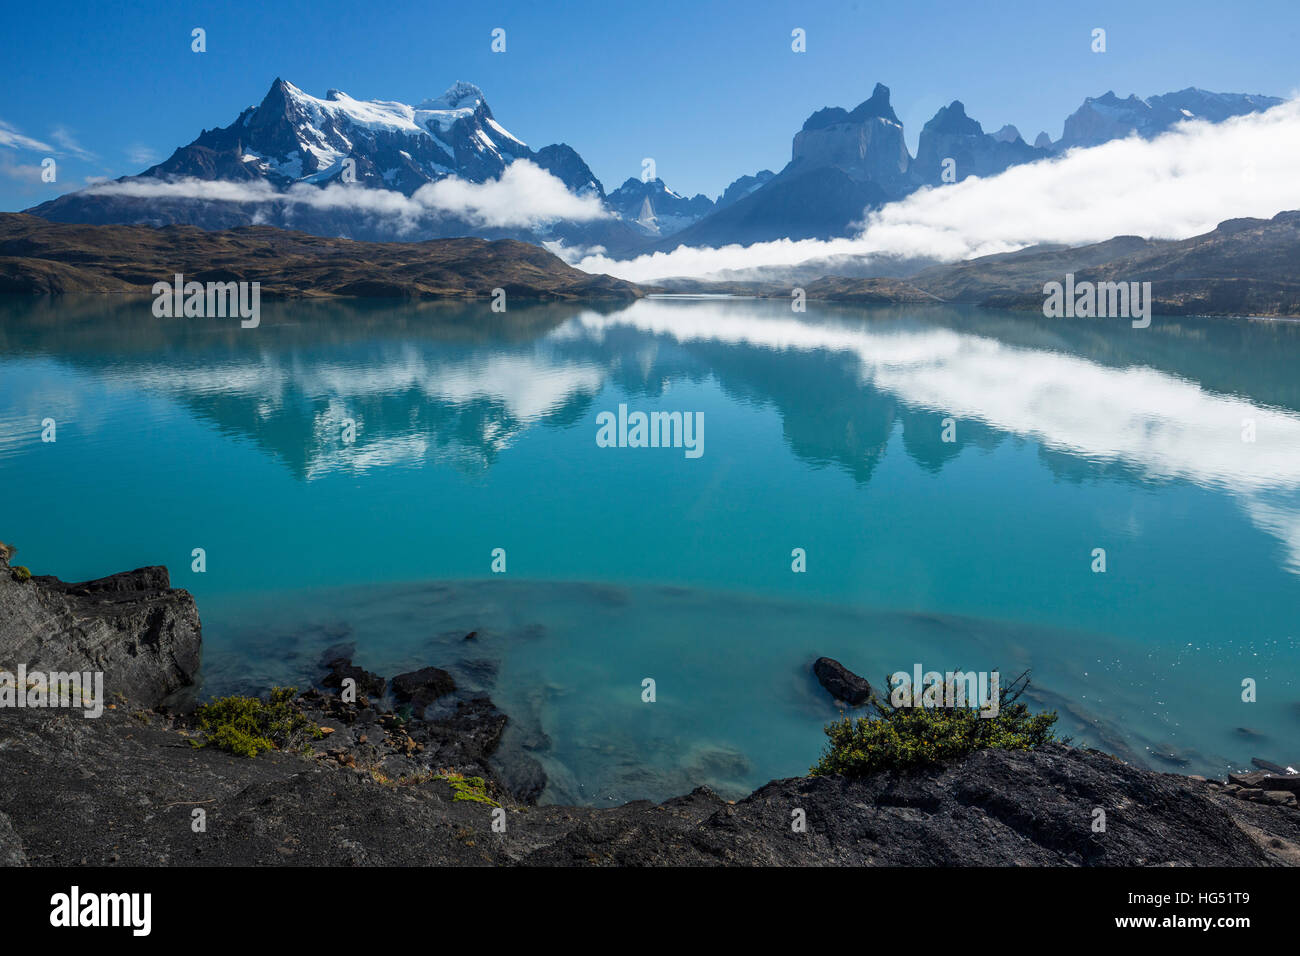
1268, 765
842, 683
1174, 756
480, 671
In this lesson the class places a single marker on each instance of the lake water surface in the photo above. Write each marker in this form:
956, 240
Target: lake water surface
822, 431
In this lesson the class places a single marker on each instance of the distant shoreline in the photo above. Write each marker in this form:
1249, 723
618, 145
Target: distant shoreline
41, 257
1245, 268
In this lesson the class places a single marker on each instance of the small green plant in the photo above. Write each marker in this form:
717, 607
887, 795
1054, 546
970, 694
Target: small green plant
21, 573
466, 788
247, 726
895, 738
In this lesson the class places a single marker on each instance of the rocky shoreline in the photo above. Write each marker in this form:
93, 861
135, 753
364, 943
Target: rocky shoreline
386, 778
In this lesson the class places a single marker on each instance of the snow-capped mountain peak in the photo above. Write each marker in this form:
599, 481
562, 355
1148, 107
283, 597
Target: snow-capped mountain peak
293, 136
1107, 117
654, 209
463, 102
459, 96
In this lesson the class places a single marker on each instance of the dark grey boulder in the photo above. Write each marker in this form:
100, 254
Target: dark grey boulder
342, 668
519, 775
1281, 798
421, 688
11, 845
1250, 779
842, 683
143, 634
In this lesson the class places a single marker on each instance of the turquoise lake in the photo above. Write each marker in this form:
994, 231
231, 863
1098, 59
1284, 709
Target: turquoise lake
822, 431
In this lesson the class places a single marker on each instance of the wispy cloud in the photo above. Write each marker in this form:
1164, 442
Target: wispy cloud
11, 137
22, 172
138, 154
67, 141
1180, 184
524, 196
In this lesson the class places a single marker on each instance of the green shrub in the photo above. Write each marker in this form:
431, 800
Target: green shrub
21, 573
895, 738
246, 726
466, 788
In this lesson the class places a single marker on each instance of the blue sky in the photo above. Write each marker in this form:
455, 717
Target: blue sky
710, 90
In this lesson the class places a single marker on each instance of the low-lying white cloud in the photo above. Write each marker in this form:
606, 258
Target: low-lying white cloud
524, 196
1183, 183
